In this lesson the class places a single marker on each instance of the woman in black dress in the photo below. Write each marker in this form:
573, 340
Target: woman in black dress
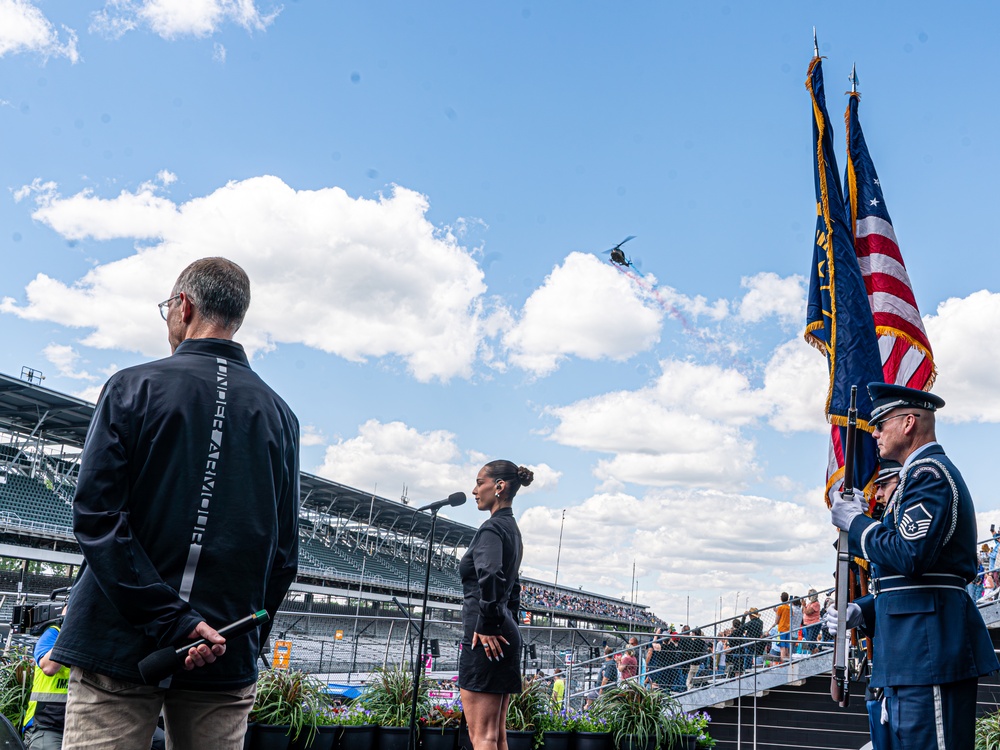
489, 669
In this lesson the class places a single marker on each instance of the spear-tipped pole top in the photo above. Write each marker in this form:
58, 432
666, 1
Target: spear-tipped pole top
854, 78
815, 44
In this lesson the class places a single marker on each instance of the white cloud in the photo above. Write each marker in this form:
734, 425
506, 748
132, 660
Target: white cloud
176, 18
65, 359
312, 435
359, 278
429, 464
24, 28
140, 215
795, 385
769, 294
968, 365
707, 542
90, 393
684, 428
219, 52
584, 309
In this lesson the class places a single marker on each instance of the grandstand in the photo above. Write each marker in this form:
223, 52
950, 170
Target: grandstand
358, 553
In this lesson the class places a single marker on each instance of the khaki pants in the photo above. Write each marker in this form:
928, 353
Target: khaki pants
103, 713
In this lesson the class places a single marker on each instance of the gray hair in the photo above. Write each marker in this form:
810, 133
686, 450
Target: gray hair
220, 290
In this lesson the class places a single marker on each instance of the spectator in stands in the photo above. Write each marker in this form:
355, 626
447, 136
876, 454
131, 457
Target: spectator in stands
558, 688
721, 646
628, 665
736, 651
634, 643
675, 655
609, 672
795, 620
186, 511
697, 648
810, 621
784, 620
753, 628
488, 667
824, 632
976, 587
656, 662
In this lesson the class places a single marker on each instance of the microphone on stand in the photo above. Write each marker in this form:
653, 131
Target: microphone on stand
456, 498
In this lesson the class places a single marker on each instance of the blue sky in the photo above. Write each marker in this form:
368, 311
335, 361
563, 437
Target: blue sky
421, 195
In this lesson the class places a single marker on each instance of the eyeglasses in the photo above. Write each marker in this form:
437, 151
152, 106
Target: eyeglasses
165, 305
878, 425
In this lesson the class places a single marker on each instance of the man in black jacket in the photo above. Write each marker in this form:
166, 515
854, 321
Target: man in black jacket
186, 512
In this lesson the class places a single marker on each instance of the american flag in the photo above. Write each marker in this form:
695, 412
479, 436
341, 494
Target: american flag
839, 319
905, 351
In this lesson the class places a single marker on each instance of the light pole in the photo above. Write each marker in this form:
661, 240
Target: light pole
559, 549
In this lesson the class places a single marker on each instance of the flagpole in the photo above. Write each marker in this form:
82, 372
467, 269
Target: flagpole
854, 80
815, 44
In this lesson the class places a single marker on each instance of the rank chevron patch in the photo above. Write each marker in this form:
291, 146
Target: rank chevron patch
915, 523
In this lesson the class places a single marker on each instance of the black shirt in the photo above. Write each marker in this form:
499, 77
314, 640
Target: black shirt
186, 509
489, 569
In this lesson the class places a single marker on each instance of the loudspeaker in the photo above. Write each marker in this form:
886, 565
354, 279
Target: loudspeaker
595, 652
531, 652
435, 648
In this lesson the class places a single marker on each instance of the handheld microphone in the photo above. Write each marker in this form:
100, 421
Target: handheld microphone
166, 661
456, 498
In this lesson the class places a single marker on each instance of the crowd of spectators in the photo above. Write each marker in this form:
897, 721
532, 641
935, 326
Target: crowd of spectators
541, 598
986, 586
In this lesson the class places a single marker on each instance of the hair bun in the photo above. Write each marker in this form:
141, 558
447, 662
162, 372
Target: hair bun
525, 475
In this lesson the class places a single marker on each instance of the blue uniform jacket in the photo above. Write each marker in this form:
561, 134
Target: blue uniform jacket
928, 634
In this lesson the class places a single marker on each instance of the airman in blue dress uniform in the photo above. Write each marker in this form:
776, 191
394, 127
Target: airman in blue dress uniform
931, 644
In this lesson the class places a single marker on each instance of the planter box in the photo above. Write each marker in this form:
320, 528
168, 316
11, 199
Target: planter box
325, 739
270, 737
439, 738
593, 741
393, 738
357, 738
520, 740
557, 740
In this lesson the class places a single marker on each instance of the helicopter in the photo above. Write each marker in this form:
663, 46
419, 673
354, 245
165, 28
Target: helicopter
618, 255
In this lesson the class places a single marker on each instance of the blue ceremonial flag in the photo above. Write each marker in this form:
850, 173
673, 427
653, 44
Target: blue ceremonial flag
838, 317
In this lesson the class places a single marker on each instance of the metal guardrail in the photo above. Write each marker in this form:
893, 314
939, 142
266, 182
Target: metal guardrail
13, 522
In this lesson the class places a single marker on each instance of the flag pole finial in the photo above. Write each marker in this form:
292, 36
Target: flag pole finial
815, 44
854, 78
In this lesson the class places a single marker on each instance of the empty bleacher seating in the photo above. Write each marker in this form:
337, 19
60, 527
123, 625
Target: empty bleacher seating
31, 501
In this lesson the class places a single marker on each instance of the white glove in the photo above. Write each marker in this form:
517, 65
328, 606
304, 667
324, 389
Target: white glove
854, 618
844, 511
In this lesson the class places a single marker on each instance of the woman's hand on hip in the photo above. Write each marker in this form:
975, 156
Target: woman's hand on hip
491, 645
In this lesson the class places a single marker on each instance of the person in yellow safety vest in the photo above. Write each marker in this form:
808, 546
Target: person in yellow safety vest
47, 708
558, 688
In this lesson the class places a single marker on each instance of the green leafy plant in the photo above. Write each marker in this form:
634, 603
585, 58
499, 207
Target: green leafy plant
644, 714
389, 695
289, 698
695, 725
525, 707
16, 675
988, 732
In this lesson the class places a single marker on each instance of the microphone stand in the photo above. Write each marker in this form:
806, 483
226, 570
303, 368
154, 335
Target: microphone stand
411, 741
